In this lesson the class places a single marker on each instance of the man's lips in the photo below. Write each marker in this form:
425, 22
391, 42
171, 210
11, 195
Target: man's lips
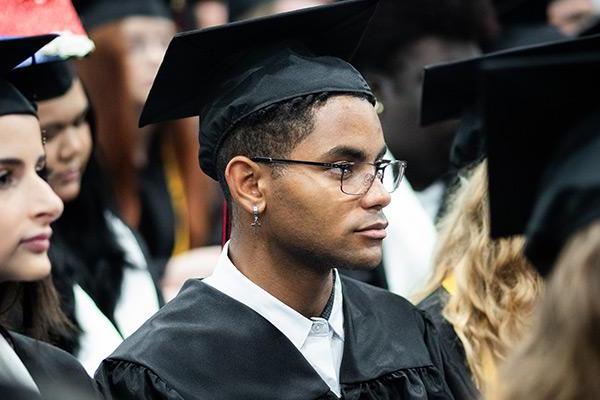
39, 243
374, 231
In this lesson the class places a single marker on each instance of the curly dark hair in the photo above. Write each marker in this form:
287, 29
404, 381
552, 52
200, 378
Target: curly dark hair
273, 131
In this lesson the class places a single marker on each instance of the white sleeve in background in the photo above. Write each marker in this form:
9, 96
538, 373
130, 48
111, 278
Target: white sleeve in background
99, 337
139, 299
408, 247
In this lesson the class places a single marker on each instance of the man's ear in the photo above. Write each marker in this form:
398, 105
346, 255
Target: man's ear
247, 182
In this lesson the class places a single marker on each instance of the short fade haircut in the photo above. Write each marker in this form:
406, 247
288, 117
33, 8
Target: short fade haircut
273, 131
399, 23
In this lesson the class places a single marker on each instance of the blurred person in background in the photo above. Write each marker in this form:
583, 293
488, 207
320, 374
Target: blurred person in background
152, 170
572, 17
406, 36
245, 9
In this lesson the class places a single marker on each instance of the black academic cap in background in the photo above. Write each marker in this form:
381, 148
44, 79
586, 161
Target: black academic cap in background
540, 117
521, 12
569, 199
225, 73
95, 13
591, 28
12, 53
468, 147
450, 88
45, 81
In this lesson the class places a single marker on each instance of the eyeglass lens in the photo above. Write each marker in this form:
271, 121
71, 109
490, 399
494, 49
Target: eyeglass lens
359, 177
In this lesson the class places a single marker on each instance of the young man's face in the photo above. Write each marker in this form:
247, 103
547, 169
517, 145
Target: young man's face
309, 217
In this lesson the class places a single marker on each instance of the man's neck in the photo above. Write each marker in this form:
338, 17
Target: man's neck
304, 288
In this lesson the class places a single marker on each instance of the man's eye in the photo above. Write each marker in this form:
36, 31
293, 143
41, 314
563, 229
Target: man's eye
343, 169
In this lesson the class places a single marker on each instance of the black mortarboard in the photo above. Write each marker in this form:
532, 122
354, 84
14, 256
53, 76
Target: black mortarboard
542, 123
225, 73
521, 11
591, 28
13, 52
45, 81
94, 13
468, 146
450, 88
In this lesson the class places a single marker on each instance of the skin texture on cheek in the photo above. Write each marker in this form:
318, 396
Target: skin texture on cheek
69, 147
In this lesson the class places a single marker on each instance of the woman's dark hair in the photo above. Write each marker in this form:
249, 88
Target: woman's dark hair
33, 309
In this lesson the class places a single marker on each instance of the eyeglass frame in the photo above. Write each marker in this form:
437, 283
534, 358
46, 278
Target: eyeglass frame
343, 166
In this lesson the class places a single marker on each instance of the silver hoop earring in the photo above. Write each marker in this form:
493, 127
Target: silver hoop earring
255, 216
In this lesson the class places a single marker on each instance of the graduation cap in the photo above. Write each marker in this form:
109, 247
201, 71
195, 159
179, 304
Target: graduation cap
225, 73
94, 13
542, 124
450, 88
45, 81
12, 52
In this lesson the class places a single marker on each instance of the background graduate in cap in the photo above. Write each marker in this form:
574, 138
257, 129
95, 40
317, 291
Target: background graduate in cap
289, 129
32, 368
405, 36
158, 188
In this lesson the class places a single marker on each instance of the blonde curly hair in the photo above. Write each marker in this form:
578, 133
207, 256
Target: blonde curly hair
496, 287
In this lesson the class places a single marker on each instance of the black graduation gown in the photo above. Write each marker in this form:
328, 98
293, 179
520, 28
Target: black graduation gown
57, 374
461, 381
206, 345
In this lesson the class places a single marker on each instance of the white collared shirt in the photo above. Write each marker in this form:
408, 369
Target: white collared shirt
320, 341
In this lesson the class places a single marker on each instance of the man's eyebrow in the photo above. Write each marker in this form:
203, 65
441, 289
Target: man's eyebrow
347, 153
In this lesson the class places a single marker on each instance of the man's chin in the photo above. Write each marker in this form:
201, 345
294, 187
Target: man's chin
366, 261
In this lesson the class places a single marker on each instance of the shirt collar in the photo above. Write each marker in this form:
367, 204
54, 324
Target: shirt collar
229, 280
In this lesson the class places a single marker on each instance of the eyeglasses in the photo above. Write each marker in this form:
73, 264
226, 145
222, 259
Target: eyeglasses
356, 178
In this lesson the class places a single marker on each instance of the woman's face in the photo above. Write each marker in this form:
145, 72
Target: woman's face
68, 140
146, 40
27, 203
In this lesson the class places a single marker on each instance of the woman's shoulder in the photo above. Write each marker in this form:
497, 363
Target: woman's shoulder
45, 355
57, 373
